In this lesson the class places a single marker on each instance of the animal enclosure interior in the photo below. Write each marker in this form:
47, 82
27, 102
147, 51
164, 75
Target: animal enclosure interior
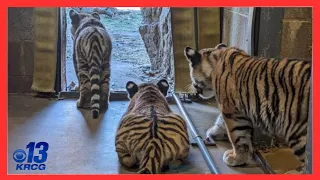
147, 45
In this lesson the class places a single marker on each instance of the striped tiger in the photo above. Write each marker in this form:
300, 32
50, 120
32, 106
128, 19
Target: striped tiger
91, 57
270, 94
150, 134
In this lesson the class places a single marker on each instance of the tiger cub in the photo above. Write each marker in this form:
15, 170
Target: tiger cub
254, 92
91, 57
150, 134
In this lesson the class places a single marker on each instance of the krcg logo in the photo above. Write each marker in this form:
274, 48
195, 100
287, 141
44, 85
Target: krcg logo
30, 161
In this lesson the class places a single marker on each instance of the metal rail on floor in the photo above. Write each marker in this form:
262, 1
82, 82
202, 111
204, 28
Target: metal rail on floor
199, 140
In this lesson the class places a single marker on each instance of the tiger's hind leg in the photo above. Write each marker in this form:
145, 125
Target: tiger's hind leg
124, 156
84, 83
75, 65
298, 146
105, 85
181, 158
127, 160
240, 132
84, 91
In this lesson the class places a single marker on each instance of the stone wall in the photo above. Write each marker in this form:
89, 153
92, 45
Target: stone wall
20, 49
296, 40
156, 34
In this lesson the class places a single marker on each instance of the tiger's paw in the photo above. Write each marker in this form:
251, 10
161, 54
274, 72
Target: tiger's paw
217, 133
128, 161
175, 164
232, 159
294, 172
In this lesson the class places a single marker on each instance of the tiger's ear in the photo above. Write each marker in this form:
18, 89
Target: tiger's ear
193, 56
220, 46
95, 15
163, 86
132, 88
74, 16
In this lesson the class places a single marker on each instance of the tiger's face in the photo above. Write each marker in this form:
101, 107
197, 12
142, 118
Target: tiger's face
201, 66
77, 18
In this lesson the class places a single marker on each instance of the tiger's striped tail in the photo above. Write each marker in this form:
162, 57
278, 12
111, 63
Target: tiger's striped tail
151, 160
95, 92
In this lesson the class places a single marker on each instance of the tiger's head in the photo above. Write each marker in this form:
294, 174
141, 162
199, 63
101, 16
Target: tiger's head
78, 18
135, 91
202, 64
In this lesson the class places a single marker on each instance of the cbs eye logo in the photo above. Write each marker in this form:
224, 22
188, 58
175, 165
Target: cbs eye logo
19, 155
34, 162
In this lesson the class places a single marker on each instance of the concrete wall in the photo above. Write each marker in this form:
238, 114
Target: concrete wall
20, 49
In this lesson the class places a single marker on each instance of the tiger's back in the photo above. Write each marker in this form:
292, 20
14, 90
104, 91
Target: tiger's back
150, 134
91, 56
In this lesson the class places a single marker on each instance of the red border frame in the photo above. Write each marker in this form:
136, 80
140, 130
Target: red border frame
147, 3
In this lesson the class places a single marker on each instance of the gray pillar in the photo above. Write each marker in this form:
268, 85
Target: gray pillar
309, 137
268, 32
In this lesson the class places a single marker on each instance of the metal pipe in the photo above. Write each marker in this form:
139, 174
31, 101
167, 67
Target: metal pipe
199, 140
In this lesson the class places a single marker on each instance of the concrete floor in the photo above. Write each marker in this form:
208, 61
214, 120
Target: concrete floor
79, 145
